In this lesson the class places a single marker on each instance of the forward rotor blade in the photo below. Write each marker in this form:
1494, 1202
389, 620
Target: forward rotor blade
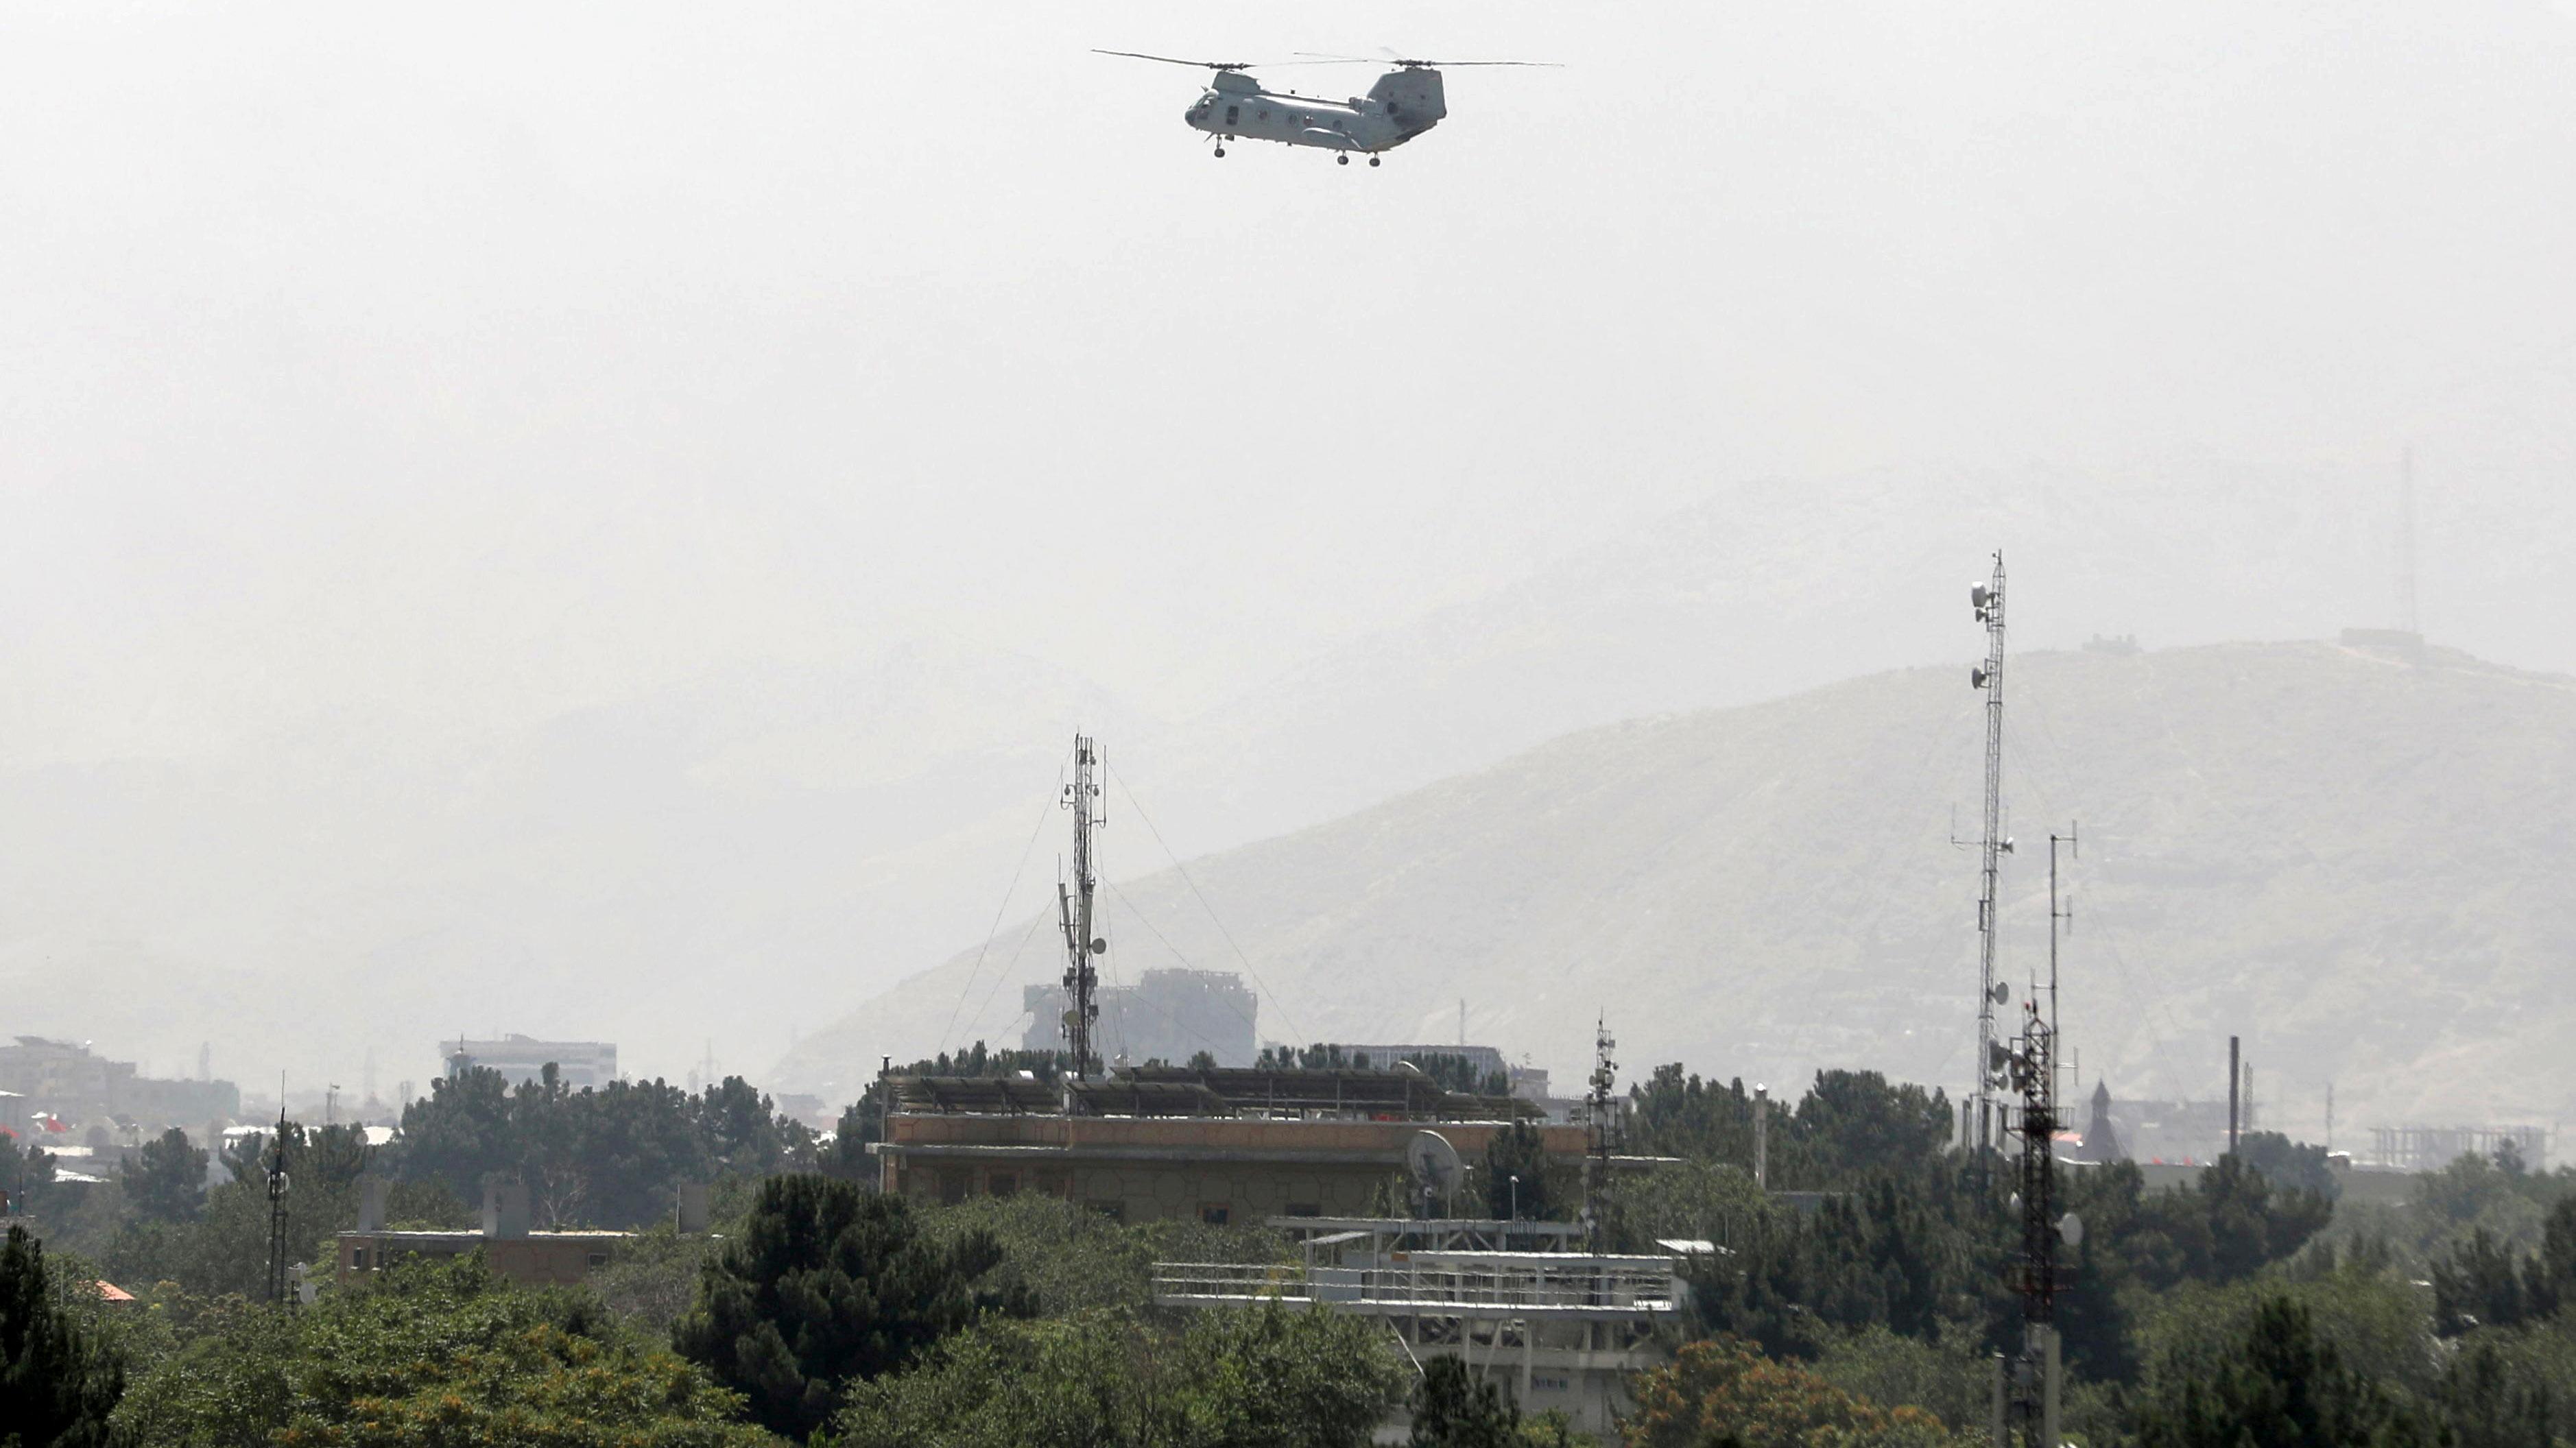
1212, 64
1176, 60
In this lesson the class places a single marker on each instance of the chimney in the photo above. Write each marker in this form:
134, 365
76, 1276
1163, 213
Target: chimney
371, 1203
693, 1207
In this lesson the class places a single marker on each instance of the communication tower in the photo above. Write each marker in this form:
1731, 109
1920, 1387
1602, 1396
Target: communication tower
2030, 1064
1603, 1111
1987, 599
277, 1187
1074, 907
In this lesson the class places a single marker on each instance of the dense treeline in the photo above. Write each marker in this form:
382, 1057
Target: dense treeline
1860, 1310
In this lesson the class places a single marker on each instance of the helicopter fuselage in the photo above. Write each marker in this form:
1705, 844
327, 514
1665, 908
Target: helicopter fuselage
1402, 105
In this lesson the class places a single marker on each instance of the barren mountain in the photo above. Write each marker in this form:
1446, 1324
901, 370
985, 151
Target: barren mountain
2351, 859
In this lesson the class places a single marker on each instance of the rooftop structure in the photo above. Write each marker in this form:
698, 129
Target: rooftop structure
2431, 1148
1560, 1329
580, 1065
1218, 1146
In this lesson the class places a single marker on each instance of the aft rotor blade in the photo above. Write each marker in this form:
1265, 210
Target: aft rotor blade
1446, 64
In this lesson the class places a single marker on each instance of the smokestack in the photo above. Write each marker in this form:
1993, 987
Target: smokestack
2234, 1075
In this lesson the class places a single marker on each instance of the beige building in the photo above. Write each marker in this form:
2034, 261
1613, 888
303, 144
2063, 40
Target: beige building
1222, 1146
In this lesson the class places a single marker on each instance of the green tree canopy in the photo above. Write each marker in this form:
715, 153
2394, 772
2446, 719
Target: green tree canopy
2282, 1388
1261, 1377
825, 1285
58, 1382
431, 1355
166, 1180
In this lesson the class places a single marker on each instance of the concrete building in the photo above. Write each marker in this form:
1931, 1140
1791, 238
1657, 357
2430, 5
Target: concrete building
1557, 1327
529, 1258
66, 1079
1220, 1146
580, 1065
1167, 1015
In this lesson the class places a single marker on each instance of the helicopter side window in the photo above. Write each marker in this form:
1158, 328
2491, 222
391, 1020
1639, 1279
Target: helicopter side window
1233, 116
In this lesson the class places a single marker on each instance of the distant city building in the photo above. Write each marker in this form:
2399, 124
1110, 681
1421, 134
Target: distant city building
2174, 1132
1167, 1015
2431, 1148
67, 1080
580, 1065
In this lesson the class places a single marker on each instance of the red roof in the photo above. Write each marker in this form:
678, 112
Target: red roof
110, 1292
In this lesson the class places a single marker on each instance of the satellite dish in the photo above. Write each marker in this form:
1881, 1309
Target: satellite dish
1433, 1162
2003, 991
2071, 1228
1071, 1019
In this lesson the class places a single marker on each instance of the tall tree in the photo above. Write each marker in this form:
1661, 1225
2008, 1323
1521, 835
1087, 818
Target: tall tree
1516, 1175
57, 1383
166, 1180
828, 1284
1454, 1408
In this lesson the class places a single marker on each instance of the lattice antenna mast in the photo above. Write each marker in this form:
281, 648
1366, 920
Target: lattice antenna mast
2061, 917
2031, 1065
277, 1188
1988, 601
1604, 1113
1075, 904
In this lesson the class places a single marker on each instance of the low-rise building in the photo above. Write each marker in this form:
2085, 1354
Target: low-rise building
1558, 1328
580, 1065
510, 1248
1228, 1145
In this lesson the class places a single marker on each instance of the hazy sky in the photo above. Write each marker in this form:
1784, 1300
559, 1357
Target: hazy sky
374, 383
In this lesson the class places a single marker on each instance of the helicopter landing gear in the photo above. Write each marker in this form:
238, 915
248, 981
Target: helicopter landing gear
1341, 160
1220, 153
1373, 160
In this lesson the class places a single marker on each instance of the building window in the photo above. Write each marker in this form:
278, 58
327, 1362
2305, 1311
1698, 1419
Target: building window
1214, 1213
952, 1187
358, 1258
598, 1259
1004, 1183
1114, 1211
1305, 1209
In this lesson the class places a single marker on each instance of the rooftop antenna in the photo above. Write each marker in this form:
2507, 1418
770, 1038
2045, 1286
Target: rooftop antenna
1075, 908
1596, 1165
1987, 599
277, 1187
2058, 915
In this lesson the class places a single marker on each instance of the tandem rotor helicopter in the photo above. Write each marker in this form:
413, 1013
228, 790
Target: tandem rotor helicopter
1404, 103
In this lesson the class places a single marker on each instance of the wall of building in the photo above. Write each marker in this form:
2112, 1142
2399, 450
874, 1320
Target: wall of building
1172, 1168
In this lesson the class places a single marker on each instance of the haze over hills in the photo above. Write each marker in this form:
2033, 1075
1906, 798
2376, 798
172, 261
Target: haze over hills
508, 532
2352, 861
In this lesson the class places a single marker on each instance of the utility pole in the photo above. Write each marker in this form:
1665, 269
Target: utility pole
2329, 1116
277, 1187
1596, 1165
1075, 905
1988, 601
